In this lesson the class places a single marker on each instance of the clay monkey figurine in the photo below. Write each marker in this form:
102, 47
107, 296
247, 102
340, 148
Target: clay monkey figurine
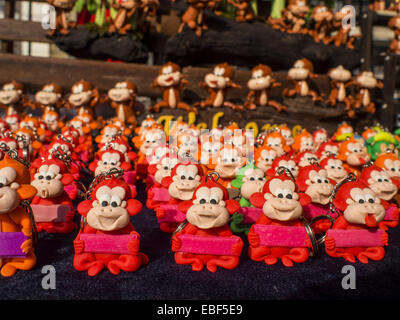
63, 7
171, 82
322, 17
83, 97
260, 84
293, 18
301, 71
121, 22
194, 16
122, 98
12, 97
244, 11
365, 82
340, 79
49, 98
217, 84
342, 37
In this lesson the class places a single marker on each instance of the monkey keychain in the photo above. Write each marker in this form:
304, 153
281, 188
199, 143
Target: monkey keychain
107, 238
355, 233
17, 226
280, 232
204, 238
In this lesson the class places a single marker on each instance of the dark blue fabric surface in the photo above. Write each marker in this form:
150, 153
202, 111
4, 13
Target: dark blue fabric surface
163, 279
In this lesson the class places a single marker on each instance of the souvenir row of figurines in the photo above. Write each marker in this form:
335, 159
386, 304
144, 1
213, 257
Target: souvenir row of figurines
354, 92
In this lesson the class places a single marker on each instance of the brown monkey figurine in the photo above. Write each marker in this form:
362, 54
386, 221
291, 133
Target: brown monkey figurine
340, 80
194, 16
365, 82
260, 84
394, 24
293, 17
12, 97
63, 7
123, 97
217, 84
171, 82
83, 97
121, 22
49, 98
299, 74
244, 11
342, 37
322, 17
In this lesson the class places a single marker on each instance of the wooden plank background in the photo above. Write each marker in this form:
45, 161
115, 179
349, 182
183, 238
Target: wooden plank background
19, 30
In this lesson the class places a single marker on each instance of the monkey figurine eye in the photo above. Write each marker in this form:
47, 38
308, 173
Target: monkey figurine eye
183, 177
213, 201
289, 196
261, 179
202, 201
3, 181
40, 177
191, 178
252, 179
280, 195
48, 177
104, 203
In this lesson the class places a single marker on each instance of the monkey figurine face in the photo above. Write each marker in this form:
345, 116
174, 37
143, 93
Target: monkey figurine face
123, 91
339, 74
299, 71
298, 7
11, 93
81, 94
208, 209
366, 79
47, 181
219, 78
260, 78
169, 75
50, 95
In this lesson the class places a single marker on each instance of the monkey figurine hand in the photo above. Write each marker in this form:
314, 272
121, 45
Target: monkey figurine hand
208, 214
218, 84
15, 187
171, 82
260, 84
108, 219
355, 233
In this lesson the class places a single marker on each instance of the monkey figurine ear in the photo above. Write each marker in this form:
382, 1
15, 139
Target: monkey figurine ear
185, 205
84, 207
257, 199
165, 182
134, 206
232, 206
304, 199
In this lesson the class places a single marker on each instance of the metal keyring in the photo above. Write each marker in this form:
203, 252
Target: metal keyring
210, 176
286, 170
